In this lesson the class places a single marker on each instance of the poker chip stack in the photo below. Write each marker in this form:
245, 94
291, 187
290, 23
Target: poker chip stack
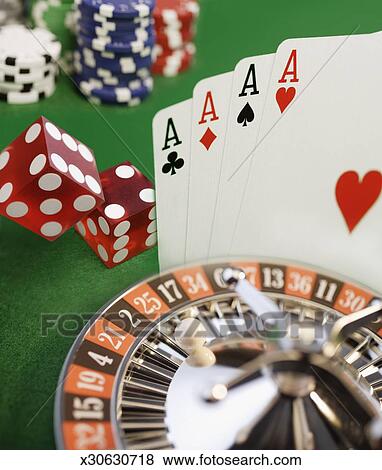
28, 68
175, 31
11, 12
57, 17
115, 46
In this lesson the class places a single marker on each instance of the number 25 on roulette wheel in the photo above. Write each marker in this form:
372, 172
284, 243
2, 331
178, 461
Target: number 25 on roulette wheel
220, 197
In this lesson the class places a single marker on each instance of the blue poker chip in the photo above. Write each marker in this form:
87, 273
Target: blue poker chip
119, 8
120, 36
115, 63
107, 77
108, 45
104, 29
134, 93
85, 15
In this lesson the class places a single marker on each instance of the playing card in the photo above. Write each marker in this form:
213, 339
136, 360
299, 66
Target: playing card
249, 90
208, 127
171, 141
296, 64
314, 193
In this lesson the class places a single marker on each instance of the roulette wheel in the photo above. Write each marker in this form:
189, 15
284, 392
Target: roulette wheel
240, 354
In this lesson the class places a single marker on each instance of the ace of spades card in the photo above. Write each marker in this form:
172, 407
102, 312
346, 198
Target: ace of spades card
171, 141
314, 193
249, 90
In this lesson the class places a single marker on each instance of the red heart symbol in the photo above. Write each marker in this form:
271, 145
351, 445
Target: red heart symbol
355, 197
284, 96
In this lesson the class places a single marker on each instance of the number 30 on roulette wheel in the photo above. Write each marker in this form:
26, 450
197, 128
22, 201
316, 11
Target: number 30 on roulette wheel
248, 354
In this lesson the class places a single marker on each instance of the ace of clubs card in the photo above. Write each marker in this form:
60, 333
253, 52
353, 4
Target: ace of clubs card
171, 141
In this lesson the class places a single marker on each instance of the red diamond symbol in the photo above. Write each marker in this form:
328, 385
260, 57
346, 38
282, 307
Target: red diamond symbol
208, 138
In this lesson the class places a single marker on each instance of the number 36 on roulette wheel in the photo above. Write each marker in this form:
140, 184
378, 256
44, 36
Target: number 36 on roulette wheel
244, 354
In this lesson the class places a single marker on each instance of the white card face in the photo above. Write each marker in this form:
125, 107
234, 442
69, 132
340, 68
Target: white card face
171, 140
209, 120
314, 194
249, 90
297, 64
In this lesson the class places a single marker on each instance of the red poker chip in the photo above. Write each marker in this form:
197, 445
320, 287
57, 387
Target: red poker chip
184, 29
174, 40
160, 53
172, 64
175, 12
170, 70
176, 25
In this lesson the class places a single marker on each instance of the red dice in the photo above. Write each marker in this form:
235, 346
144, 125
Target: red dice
48, 180
125, 224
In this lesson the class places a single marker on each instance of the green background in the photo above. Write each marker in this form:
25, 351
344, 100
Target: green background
39, 277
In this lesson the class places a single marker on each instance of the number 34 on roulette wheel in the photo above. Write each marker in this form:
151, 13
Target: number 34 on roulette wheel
245, 354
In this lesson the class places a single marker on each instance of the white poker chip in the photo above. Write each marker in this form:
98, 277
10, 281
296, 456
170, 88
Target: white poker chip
10, 12
27, 75
24, 47
33, 96
39, 85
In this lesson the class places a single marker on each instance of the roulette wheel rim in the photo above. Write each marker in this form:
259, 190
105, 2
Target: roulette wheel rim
209, 270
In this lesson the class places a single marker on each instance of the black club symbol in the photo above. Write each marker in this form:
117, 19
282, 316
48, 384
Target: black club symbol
174, 163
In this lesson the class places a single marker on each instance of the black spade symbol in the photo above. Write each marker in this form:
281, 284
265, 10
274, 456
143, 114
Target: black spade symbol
246, 115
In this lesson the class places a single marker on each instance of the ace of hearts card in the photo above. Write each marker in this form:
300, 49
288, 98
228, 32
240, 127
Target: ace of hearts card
314, 189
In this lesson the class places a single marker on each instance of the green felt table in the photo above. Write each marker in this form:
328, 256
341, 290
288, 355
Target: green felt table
38, 277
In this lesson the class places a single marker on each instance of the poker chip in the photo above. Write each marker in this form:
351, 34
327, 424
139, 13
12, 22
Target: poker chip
28, 64
132, 94
27, 97
113, 58
41, 85
10, 75
173, 39
175, 12
23, 47
11, 12
108, 44
175, 31
84, 16
144, 54
107, 77
170, 65
57, 17
138, 34
117, 64
119, 8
